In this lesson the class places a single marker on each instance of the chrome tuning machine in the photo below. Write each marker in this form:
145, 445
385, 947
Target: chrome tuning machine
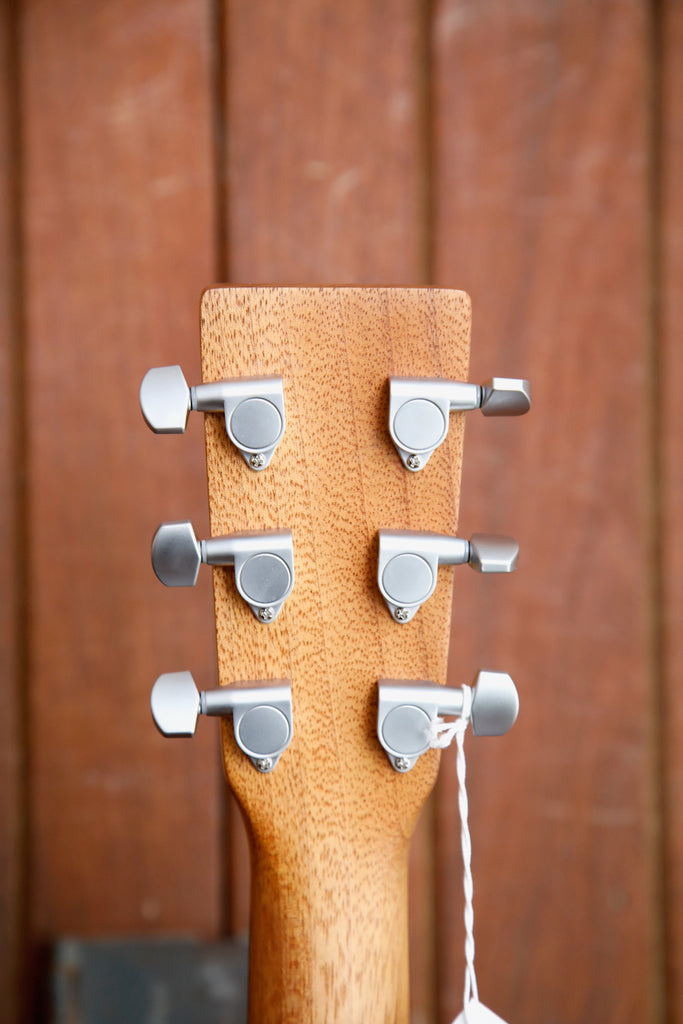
408, 706
254, 409
261, 713
409, 561
419, 410
263, 562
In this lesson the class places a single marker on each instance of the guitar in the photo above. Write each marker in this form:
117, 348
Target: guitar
333, 510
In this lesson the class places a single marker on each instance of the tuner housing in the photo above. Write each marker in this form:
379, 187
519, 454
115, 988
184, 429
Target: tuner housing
408, 706
253, 407
409, 560
261, 713
420, 407
263, 562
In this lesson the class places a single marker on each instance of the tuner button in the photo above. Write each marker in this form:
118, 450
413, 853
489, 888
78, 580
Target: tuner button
420, 425
490, 553
255, 425
262, 731
176, 555
265, 579
505, 396
175, 704
165, 400
408, 579
495, 704
405, 730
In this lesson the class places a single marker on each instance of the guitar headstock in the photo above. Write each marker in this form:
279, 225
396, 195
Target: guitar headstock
335, 481
330, 817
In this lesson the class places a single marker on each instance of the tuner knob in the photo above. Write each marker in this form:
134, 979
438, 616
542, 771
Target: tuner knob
409, 561
419, 410
165, 400
254, 409
176, 704
261, 712
263, 562
408, 706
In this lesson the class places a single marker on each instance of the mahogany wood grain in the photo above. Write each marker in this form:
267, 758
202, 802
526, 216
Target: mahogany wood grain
325, 184
12, 767
329, 827
541, 214
670, 423
119, 242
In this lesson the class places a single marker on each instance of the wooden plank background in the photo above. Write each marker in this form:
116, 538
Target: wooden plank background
13, 788
668, 285
117, 166
541, 166
531, 154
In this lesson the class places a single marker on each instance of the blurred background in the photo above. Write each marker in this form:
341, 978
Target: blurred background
529, 153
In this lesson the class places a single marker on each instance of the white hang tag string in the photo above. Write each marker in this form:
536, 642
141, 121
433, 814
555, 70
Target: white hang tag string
440, 735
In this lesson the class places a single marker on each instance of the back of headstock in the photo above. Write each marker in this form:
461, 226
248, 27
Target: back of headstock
330, 824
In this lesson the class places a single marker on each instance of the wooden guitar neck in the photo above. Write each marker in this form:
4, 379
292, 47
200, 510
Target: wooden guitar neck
329, 827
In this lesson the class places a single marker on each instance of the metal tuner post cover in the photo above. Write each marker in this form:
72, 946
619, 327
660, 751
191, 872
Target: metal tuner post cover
407, 706
409, 561
261, 713
254, 409
263, 561
419, 410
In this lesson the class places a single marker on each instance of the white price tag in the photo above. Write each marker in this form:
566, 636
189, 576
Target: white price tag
477, 1013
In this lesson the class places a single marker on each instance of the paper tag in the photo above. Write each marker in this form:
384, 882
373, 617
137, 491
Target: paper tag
477, 1013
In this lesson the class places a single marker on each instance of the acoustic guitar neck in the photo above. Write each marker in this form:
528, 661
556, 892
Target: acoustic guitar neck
309, 493
329, 829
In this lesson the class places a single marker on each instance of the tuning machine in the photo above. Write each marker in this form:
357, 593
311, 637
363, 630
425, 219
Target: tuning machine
407, 706
254, 409
419, 410
409, 561
261, 713
263, 561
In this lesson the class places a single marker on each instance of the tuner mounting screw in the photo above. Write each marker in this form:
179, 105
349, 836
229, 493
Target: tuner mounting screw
402, 614
266, 614
413, 462
257, 461
402, 764
264, 764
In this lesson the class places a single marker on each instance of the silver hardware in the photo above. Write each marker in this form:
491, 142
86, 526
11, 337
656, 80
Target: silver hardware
419, 410
264, 563
407, 706
261, 713
254, 409
408, 564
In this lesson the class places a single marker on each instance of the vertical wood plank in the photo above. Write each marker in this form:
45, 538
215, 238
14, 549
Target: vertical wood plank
670, 236
119, 243
541, 214
12, 852
323, 154
324, 172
